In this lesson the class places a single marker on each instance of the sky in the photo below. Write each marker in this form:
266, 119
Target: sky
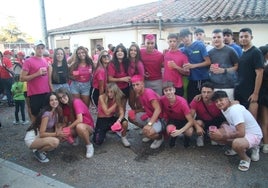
26, 13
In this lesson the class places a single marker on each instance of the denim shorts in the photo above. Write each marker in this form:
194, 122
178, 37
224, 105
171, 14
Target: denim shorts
82, 88
58, 86
157, 126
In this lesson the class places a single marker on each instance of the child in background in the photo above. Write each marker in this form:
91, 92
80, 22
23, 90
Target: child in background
17, 90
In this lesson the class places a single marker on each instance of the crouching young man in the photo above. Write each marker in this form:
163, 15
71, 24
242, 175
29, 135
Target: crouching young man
243, 131
149, 119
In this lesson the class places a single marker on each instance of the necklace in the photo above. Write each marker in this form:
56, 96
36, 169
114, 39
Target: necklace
246, 49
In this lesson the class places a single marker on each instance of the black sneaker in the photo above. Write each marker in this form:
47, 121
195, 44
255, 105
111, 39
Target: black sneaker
41, 157
172, 141
186, 141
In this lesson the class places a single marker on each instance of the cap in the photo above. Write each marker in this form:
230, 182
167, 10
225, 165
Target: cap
185, 32
21, 53
7, 52
39, 42
227, 32
218, 95
150, 37
167, 84
136, 78
199, 30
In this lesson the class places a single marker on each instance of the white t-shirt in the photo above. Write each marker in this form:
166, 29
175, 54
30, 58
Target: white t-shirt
237, 114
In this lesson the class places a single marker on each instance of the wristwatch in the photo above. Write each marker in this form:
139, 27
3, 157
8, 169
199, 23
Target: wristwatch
150, 123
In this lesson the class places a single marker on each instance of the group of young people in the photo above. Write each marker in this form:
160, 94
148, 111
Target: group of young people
152, 84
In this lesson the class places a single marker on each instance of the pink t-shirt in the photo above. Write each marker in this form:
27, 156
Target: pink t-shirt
101, 112
133, 70
176, 111
99, 75
201, 111
152, 63
80, 108
173, 75
39, 84
112, 72
84, 73
146, 99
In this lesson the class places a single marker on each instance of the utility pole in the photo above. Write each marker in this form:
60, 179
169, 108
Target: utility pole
43, 22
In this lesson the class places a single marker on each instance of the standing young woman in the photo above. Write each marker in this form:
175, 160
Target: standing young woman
118, 70
80, 74
110, 111
58, 71
99, 77
136, 65
45, 132
77, 115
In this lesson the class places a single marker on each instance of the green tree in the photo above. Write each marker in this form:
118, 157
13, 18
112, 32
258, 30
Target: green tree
11, 32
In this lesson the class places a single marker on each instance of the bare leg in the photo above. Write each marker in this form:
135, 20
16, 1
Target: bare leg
240, 145
84, 131
45, 144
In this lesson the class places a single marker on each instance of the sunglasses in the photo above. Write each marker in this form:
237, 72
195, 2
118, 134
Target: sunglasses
105, 56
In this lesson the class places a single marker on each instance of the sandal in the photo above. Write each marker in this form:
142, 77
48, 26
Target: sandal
244, 165
230, 152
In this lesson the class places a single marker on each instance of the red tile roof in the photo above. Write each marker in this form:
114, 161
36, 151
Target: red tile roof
179, 12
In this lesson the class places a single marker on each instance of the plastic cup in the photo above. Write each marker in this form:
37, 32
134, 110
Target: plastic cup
212, 128
116, 127
75, 73
170, 129
215, 65
131, 114
169, 64
67, 131
44, 70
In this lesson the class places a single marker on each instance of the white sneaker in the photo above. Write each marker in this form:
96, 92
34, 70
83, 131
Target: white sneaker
25, 122
145, 139
90, 151
125, 141
265, 148
255, 156
76, 141
157, 143
16, 122
230, 152
213, 143
200, 141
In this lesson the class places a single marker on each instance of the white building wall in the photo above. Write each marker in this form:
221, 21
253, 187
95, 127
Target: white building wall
126, 36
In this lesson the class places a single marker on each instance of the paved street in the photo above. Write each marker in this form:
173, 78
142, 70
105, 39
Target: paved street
138, 166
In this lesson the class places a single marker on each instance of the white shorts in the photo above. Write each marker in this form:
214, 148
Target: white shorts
30, 137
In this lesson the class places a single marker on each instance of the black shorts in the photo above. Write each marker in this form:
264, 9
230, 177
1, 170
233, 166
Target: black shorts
37, 102
178, 123
216, 122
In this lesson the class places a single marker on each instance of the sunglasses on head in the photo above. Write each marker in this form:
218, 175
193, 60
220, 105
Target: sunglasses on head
106, 56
